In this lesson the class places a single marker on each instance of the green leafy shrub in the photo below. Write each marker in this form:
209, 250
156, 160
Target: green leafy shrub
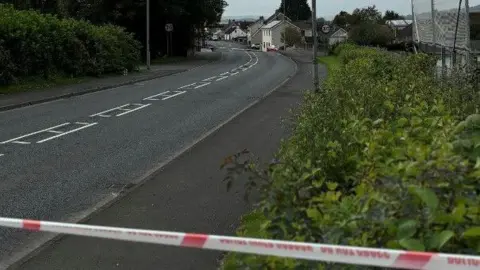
44, 45
379, 158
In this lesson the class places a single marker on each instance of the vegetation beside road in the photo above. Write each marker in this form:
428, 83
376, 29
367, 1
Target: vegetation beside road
384, 156
44, 46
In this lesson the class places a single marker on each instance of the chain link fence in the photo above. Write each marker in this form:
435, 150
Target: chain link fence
442, 28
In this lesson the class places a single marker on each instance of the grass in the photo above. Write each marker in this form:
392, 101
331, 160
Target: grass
38, 84
332, 62
251, 226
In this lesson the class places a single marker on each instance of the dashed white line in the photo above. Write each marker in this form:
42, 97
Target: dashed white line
1, 155
188, 85
225, 73
102, 114
235, 73
174, 95
222, 78
16, 140
67, 132
209, 79
21, 142
202, 85
156, 95
141, 106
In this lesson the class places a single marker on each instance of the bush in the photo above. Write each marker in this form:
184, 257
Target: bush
379, 158
371, 34
44, 45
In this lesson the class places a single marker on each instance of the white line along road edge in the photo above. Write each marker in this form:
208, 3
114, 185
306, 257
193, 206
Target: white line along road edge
287, 249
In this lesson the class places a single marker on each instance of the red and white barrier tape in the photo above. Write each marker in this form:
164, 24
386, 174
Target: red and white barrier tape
297, 250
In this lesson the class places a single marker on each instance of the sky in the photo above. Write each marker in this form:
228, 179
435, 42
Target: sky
328, 8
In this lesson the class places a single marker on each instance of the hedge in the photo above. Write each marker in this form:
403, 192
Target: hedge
382, 157
33, 44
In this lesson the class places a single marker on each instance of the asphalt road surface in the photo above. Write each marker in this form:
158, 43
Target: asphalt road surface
60, 159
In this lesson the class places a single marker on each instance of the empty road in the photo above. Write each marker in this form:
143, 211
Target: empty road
60, 159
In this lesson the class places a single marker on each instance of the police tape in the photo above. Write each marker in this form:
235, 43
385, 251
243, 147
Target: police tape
287, 249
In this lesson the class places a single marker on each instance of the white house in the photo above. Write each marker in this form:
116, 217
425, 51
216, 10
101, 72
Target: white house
234, 33
339, 36
272, 33
254, 35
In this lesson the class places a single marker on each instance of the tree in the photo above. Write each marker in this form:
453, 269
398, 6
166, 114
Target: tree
371, 34
185, 15
392, 15
342, 19
363, 15
296, 10
291, 36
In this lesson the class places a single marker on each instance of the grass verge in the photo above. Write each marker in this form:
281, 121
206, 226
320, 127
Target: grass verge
332, 62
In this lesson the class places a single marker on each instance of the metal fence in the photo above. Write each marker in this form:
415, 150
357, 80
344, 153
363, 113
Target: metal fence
442, 27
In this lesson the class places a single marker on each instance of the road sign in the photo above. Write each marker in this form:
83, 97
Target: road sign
169, 27
326, 28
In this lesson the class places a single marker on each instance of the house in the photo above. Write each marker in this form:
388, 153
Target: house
338, 36
272, 33
305, 29
253, 32
235, 33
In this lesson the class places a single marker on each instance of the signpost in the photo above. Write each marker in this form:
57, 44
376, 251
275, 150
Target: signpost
315, 45
169, 30
326, 29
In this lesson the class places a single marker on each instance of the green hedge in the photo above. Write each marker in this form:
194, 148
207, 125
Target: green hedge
32, 44
382, 157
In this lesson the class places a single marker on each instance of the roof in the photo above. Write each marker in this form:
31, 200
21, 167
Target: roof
271, 24
230, 30
399, 22
303, 24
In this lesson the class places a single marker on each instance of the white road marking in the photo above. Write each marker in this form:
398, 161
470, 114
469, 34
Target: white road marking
141, 106
102, 114
222, 78
154, 96
202, 85
67, 132
188, 85
21, 142
174, 95
1, 155
235, 73
225, 73
209, 79
16, 140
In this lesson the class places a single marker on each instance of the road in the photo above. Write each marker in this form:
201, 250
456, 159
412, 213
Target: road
60, 159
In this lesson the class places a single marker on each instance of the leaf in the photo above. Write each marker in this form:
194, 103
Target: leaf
412, 244
407, 229
427, 196
472, 232
332, 186
459, 212
314, 214
440, 239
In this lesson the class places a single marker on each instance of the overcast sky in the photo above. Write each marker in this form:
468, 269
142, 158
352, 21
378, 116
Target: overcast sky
328, 8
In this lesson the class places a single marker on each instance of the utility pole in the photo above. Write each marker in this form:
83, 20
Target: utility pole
148, 35
315, 45
284, 26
